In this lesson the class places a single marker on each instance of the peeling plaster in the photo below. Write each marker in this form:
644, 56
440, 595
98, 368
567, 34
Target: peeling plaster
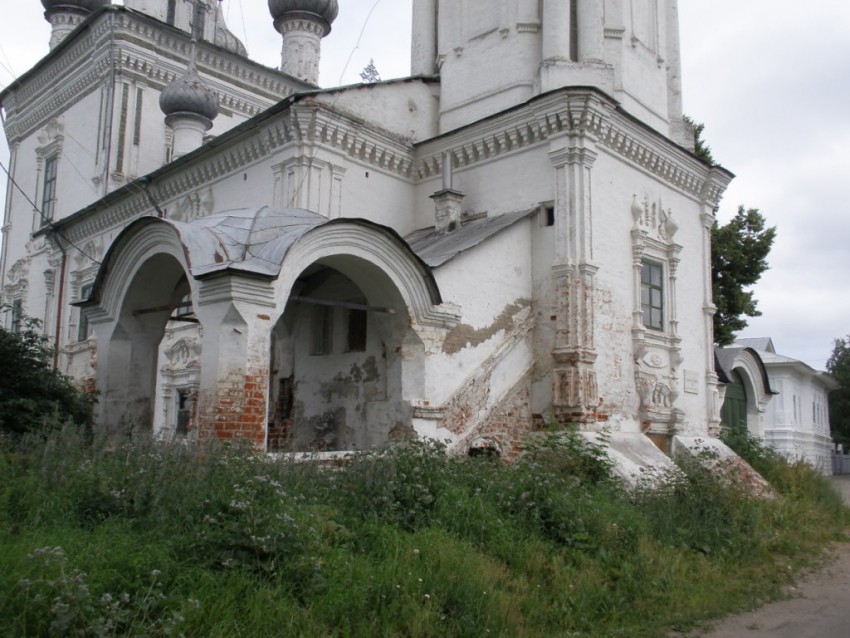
465, 336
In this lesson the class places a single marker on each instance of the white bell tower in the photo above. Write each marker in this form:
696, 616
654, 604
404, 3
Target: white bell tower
491, 55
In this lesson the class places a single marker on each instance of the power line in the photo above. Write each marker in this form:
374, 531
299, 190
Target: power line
315, 150
46, 222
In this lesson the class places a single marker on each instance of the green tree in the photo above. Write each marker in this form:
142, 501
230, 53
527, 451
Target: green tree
838, 365
739, 251
701, 149
32, 393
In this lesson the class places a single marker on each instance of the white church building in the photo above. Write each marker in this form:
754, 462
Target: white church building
220, 249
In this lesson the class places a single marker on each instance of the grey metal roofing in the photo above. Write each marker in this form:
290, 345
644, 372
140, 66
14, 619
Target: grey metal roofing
253, 241
772, 359
435, 250
762, 344
248, 239
85, 5
325, 9
725, 359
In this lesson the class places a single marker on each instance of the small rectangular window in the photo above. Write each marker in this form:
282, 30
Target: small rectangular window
83, 332
17, 315
322, 330
184, 411
48, 191
652, 295
357, 324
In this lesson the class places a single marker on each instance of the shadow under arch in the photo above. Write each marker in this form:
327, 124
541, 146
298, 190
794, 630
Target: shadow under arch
253, 258
144, 278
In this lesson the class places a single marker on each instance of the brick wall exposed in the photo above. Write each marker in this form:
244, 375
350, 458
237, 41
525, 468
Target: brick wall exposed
239, 409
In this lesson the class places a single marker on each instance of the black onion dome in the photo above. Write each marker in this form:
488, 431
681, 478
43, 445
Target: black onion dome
189, 94
74, 5
327, 10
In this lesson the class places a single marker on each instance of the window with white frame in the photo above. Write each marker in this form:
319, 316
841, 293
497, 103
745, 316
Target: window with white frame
48, 190
652, 295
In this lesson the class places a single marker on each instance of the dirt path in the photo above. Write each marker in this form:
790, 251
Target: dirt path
819, 606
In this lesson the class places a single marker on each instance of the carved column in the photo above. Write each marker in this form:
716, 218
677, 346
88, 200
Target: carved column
575, 392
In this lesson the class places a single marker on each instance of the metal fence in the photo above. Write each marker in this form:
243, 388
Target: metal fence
840, 463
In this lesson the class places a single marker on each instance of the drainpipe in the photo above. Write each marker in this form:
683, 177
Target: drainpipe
59, 299
13, 160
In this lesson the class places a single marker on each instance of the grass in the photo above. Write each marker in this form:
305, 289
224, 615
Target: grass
158, 540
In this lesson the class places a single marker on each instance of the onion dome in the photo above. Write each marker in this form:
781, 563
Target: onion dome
224, 37
327, 10
86, 6
189, 94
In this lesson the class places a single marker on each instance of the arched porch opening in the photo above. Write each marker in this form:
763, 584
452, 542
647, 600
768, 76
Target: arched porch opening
336, 364
154, 300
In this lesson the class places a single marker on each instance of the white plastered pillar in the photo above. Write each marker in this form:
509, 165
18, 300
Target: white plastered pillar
591, 23
423, 45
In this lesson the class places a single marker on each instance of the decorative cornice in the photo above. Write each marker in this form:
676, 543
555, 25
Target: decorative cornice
531, 26
309, 124
144, 49
580, 111
615, 33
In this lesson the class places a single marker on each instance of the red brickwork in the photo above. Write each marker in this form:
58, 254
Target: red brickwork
510, 421
239, 409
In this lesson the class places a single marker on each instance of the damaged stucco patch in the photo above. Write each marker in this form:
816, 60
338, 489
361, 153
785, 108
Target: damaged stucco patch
465, 336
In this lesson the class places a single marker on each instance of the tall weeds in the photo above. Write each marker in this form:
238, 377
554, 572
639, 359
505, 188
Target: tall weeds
144, 538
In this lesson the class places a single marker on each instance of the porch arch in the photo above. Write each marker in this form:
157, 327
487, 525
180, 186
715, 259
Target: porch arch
744, 369
144, 277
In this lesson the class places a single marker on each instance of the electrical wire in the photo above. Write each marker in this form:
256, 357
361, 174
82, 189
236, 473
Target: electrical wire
315, 150
48, 223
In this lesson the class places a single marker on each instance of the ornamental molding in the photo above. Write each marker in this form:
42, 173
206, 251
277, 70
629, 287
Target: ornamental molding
528, 26
582, 112
302, 129
28, 113
141, 51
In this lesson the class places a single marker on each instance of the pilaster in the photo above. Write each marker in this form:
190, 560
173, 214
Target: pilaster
591, 20
575, 392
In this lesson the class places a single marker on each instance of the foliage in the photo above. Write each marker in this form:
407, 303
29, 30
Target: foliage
738, 259
792, 478
701, 149
838, 365
33, 393
156, 539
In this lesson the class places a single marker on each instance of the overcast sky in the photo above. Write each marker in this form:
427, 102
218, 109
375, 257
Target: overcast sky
770, 79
